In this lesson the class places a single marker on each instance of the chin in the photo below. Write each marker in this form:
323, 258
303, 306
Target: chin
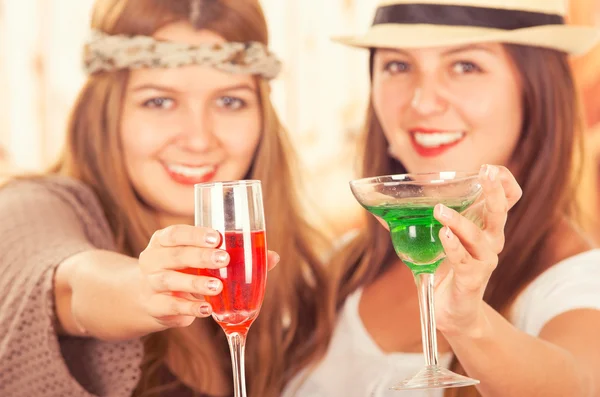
425, 168
438, 165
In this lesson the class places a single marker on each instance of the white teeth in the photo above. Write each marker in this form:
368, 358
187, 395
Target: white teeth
436, 139
190, 171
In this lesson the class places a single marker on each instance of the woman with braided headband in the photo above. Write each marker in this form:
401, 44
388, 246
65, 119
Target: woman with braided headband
91, 302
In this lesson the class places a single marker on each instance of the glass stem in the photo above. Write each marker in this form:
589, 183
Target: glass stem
428, 329
237, 345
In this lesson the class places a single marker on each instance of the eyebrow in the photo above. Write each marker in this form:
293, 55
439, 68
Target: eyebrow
472, 47
164, 88
456, 50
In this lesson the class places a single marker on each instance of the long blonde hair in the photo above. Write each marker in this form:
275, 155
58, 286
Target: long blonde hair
291, 329
546, 164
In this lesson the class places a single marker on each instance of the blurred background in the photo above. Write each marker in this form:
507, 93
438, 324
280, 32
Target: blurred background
320, 95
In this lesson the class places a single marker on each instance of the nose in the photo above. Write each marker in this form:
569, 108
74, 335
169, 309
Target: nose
427, 98
197, 131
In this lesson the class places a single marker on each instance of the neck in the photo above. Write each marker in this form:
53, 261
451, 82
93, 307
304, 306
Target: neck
566, 239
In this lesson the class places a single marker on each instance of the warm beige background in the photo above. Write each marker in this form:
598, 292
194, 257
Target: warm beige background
587, 69
321, 94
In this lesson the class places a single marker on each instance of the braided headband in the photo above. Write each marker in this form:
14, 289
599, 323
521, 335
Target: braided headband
104, 52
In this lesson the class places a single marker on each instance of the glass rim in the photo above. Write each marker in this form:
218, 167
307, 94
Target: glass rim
241, 182
400, 179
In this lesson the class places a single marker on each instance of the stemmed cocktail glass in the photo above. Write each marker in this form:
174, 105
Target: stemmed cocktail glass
406, 203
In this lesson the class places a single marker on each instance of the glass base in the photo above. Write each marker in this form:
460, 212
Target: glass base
434, 377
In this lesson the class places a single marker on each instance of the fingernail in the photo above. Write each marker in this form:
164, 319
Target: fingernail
213, 285
204, 310
445, 212
220, 257
277, 258
449, 233
492, 172
484, 172
212, 238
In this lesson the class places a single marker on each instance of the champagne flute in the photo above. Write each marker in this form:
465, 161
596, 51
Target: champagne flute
235, 209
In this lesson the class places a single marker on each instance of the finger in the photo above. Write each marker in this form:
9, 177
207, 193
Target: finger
158, 259
189, 296
470, 235
164, 305
470, 275
169, 281
383, 223
197, 297
272, 259
442, 272
495, 206
512, 189
175, 321
178, 235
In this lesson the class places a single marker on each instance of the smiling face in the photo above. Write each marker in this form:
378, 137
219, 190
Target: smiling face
187, 125
450, 108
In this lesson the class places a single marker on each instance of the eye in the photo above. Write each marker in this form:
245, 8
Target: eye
465, 67
394, 67
230, 102
160, 103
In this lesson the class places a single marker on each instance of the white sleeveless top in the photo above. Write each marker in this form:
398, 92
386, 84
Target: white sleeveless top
355, 366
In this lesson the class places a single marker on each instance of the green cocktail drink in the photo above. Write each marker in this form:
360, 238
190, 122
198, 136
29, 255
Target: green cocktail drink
415, 232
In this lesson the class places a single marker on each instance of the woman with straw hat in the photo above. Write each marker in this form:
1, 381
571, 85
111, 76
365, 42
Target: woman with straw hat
457, 84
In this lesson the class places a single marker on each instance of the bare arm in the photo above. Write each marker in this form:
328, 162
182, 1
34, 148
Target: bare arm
564, 361
507, 361
107, 281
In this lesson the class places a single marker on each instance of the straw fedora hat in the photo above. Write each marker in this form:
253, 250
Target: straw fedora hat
433, 23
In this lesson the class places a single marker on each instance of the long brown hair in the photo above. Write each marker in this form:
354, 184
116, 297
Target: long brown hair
289, 332
545, 163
